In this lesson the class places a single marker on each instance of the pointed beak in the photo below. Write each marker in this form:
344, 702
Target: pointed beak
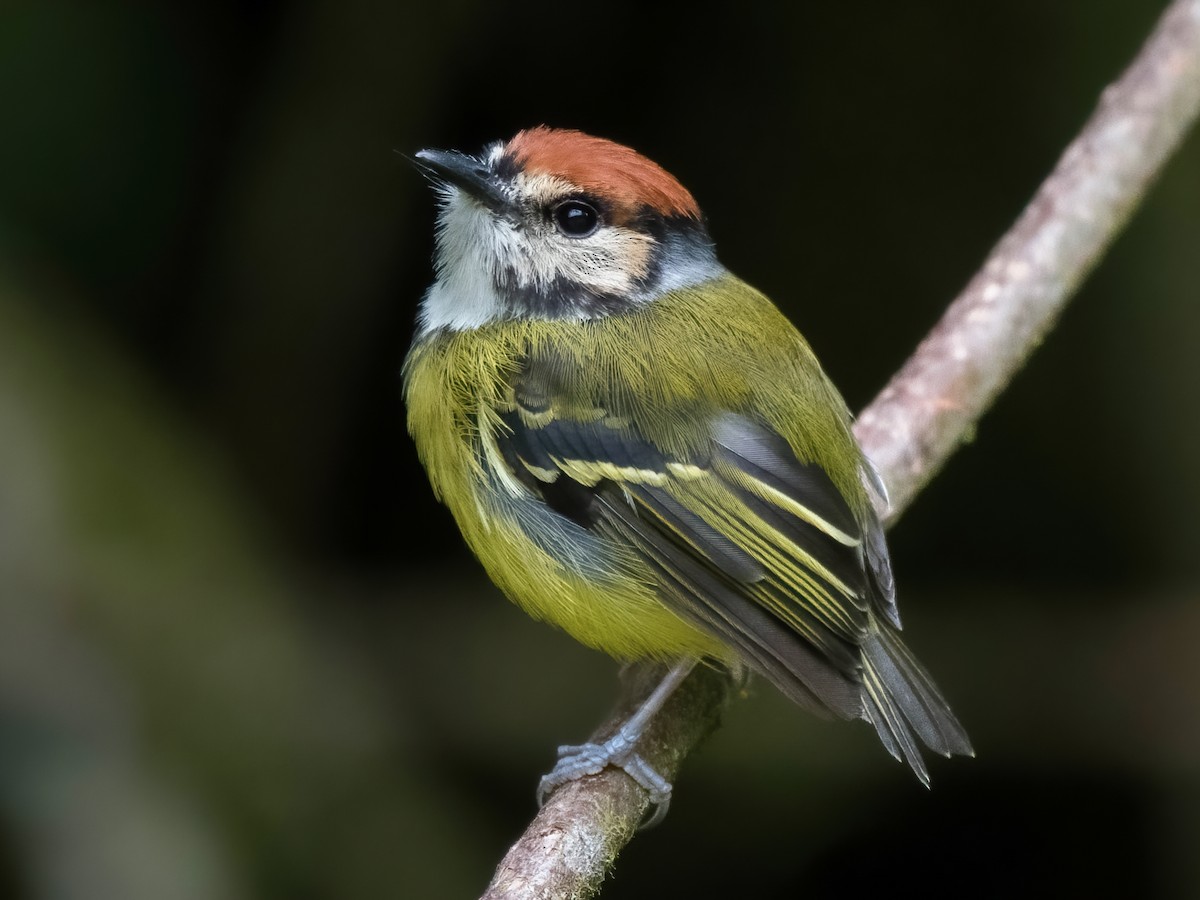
467, 173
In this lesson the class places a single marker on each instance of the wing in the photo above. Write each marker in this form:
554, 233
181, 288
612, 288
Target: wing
744, 540
743, 537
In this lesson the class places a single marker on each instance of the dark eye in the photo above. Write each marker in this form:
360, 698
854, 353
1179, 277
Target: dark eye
576, 219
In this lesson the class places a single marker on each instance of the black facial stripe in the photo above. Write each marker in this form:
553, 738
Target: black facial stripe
561, 298
507, 167
676, 239
665, 229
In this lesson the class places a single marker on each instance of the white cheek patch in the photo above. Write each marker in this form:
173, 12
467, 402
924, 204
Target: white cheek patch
609, 262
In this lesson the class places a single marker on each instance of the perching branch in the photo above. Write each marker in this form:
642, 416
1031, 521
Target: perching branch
919, 419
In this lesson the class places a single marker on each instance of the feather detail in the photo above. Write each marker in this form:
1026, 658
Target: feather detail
904, 704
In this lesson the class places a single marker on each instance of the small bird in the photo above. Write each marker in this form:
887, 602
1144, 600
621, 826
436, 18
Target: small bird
642, 450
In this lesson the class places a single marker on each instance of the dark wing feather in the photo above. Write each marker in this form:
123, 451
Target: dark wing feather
698, 523
675, 518
766, 458
705, 595
748, 543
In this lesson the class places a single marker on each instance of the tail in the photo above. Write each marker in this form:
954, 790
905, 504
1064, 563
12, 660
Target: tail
902, 702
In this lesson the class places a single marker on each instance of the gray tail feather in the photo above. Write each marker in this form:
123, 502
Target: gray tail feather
902, 702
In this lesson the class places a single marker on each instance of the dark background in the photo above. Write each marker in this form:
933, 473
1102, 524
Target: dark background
242, 651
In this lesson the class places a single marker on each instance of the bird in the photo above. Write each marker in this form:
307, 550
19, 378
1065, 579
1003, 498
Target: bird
643, 451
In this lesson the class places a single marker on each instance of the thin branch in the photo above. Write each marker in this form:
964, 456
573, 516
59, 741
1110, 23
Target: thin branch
921, 417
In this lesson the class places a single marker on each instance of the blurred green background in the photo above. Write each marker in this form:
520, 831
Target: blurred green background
242, 652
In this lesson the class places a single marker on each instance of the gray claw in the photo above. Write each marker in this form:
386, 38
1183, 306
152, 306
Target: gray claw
577, 760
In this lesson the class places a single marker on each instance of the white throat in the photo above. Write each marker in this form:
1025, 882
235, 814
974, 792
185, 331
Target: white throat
464, 294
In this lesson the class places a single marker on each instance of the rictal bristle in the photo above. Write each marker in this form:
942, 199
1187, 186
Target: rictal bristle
616, 173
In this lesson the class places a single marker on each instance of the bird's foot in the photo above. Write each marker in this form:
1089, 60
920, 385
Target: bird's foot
577, 760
